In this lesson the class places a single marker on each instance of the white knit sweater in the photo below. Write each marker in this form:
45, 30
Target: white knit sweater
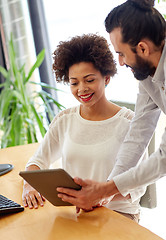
88, 148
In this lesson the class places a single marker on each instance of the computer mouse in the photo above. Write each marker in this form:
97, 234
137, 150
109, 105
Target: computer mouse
5, 168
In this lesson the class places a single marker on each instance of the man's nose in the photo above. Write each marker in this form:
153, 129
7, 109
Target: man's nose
121, 61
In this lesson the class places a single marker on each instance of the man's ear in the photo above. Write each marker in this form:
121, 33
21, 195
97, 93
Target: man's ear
143, 49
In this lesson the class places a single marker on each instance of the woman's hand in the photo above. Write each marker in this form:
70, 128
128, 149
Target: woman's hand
31, 198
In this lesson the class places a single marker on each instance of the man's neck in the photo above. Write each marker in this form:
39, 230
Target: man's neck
156, 55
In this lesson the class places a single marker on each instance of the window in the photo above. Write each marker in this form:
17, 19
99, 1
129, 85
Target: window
66, 19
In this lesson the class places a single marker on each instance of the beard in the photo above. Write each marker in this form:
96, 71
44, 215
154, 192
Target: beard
142, 68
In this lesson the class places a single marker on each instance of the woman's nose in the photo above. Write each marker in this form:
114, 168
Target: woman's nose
82, 87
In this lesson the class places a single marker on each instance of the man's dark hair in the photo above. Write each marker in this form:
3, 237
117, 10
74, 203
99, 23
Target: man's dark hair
137, 19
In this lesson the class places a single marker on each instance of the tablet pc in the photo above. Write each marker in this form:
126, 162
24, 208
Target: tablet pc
46, 182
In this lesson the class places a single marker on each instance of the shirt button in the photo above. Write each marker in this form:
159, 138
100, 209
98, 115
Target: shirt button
163, 88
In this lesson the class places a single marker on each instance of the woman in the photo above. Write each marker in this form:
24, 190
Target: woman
87, 137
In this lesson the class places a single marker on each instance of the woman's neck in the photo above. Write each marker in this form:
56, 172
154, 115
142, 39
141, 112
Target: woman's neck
99, 112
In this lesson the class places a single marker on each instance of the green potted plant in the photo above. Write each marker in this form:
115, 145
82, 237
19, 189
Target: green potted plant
23, 113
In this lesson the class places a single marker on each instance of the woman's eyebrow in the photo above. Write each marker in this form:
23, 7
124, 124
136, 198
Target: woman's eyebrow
91, 74
74, 78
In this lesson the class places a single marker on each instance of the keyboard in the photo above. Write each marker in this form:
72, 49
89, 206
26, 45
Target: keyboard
9, 206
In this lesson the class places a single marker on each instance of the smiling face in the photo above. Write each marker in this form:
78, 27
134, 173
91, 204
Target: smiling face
87, 84
140, 67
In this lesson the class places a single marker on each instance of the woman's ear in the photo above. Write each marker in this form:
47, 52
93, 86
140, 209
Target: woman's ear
143, 49
107, 80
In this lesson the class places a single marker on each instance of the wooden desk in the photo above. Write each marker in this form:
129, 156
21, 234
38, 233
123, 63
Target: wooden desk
54, 223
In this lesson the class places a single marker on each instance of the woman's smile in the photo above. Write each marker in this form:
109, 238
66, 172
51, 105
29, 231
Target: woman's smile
86, 97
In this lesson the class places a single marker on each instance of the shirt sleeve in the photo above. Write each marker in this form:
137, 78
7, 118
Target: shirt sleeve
137, 193
49, 150
141, 130
144, 173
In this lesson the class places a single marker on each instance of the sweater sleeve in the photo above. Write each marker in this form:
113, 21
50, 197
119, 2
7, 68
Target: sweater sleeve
49, 150
46, 154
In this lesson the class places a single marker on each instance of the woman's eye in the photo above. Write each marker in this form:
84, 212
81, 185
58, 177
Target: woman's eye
73, 84
91, 80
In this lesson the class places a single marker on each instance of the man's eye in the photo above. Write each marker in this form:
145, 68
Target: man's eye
121, 55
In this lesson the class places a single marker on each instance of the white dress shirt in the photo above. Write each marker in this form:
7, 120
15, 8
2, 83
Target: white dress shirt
151, 101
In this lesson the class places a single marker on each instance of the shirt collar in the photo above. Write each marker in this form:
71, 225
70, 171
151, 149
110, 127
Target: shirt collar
159, 73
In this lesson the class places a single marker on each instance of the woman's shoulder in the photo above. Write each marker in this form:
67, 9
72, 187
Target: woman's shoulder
64, 114
67, 112
126, 113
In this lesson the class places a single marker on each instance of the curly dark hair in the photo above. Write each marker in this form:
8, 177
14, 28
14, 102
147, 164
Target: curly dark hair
86, 48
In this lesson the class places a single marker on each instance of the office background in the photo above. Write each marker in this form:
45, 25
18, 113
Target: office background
59, 21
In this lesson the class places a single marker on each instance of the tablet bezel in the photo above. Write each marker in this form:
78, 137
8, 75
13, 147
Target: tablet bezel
46, 182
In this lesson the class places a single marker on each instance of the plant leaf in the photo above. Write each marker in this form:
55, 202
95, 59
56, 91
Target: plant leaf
39, 122
37, 64
4, 71
5, 101
49, 96
45, 85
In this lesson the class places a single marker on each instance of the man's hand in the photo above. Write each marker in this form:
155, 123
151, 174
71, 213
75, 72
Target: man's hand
91, 195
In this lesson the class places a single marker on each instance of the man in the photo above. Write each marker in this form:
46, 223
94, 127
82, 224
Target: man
137, 31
